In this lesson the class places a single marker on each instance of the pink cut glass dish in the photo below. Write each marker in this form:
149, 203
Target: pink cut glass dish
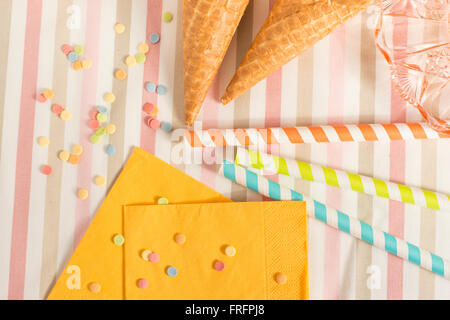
413, 36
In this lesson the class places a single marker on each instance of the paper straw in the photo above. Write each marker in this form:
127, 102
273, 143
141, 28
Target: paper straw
338, 220
342, 179
313, 134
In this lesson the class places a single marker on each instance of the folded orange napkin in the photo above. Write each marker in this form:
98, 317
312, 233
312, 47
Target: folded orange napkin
108, 261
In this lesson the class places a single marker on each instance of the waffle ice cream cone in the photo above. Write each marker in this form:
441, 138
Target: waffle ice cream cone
208, 27
292, 27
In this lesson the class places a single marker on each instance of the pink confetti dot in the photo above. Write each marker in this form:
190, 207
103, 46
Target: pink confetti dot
67, 49
56, 108
219, 266
47, 170
148, 108
142, 284
93, 114
153, 257
94, 124
154, 123
41, 98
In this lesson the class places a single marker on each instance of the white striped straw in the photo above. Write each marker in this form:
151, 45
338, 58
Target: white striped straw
339, 220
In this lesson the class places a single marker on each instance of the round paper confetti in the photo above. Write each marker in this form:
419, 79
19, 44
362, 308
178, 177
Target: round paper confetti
94, 287
230, 251
86, 63
119, 28
95, 139
163, 201
154, 111
154, 38
67, 49
142, 283
153, 257
49, 93
154, 123
161, 90
118, 240
110, 97
120, 74
77, 150
77, 65
180, 238
83, 194
111, 128
94, 124
43, 141
73, 56
167, 16
100, 181
102, 118
141, 58
41, 98
280, 278
110, 150
79, 50
56, 108
64, 155
47, 170
148, 108
130, 61
101, 109
100, 132
65, 115
74, 159
219, 266
93, 114
166, 126
143, 48
172, 272
150, 87
145, 254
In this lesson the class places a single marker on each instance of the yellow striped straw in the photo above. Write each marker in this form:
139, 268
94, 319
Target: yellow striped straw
341, 179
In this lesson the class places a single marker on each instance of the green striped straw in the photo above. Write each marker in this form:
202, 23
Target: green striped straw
339, 220
341, 179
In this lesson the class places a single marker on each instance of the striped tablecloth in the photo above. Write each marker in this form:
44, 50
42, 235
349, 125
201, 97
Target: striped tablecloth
341, 80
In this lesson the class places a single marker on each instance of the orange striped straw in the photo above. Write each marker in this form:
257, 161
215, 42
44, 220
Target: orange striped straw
312, 134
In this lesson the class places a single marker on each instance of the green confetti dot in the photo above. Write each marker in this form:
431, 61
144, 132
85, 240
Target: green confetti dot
119, 240
141, 58
101, 117
95, 139
79, 50
100, 132
167, 16
163, 201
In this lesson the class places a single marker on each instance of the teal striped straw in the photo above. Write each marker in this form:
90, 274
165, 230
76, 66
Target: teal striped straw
338, 220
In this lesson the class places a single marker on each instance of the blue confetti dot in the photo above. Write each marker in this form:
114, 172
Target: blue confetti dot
73, 56
110, 150
150, 87
102, 109
162, 90
166, 126
154, 38
172, 271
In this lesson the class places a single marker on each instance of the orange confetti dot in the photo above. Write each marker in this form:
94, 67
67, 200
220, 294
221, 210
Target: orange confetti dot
77, 65
120, 74
74, 159
94, 287
49, 94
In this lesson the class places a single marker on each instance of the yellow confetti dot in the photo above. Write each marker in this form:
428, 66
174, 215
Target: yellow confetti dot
145, 254
100, 181
230, 251
77, 65
154, 111
83, 194
49, 94
43, 141
143, 48
86, 64
110, 97
120, 74
64, 155
65, 115
130, 61
119, 28
167, 17
77, 150
111, 128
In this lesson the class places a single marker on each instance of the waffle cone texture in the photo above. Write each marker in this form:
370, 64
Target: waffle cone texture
208, 27
292, 27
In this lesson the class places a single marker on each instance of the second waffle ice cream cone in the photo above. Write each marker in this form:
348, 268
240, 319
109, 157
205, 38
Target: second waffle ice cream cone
292, 27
